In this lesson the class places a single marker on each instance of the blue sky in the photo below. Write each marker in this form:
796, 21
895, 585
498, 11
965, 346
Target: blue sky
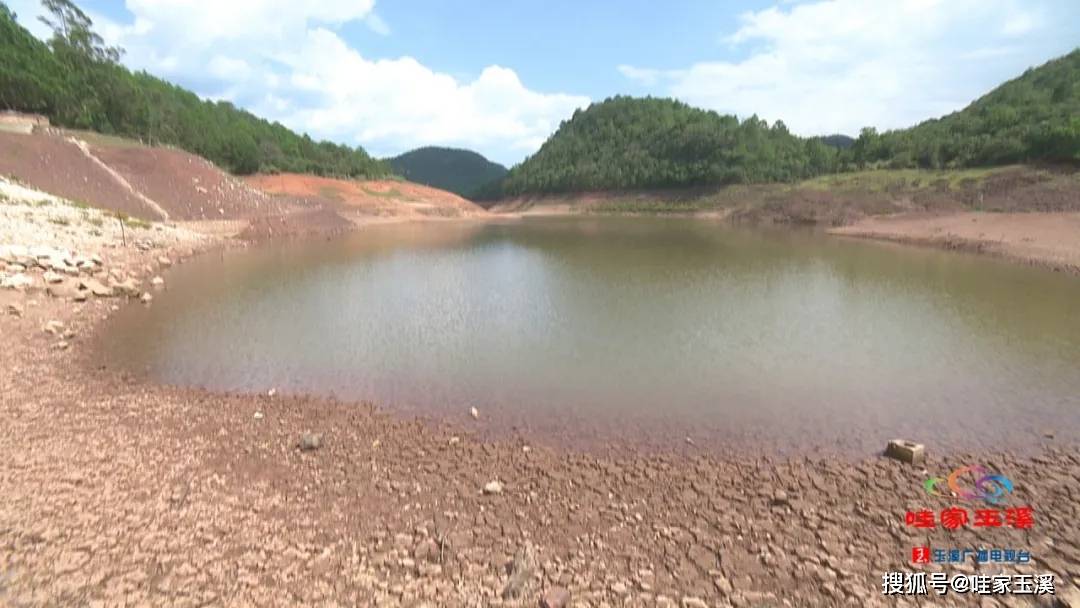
498, 77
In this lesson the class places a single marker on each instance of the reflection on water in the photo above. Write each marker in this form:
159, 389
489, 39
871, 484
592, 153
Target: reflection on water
638, 329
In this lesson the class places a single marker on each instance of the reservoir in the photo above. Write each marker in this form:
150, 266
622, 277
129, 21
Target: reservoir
652, 331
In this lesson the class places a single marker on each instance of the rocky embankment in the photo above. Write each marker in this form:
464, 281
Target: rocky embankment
119, 493
52, 248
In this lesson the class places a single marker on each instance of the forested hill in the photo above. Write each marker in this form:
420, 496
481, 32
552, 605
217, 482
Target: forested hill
1035, 117
78, 83
626, 143
629, 143
462, 172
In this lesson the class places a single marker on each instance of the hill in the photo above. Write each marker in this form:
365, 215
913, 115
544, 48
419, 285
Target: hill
462, 172
627, 143
78, 83
1035, 117
838, 141
150, 183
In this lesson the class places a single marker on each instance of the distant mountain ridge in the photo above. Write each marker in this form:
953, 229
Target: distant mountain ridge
462, 172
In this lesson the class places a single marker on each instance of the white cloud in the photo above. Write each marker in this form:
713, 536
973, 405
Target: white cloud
644, 76
376, 24
838, 65
285, 61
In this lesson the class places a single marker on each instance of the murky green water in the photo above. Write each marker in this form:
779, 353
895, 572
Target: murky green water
635, 329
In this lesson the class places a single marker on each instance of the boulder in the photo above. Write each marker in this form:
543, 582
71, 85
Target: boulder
127, 287
522, 570
66, 290
555, 597
52, 278
309, 442
906, 451
493, 487
157, 282
20, 282
96, 287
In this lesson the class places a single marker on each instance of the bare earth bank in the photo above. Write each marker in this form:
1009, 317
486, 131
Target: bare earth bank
1043, 239
117, 492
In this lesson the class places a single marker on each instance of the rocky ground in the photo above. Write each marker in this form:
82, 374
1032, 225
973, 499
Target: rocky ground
121, 493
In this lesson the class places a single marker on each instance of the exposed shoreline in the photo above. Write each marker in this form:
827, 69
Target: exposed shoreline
1047, 240
122, 491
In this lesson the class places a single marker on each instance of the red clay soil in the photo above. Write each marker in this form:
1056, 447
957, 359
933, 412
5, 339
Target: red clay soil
55, 165
372, 197
187, 186
319, 219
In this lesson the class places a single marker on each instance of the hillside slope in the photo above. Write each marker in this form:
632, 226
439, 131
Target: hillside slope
628, 143
366, 198
1034, 117
150, 183
78, 83
462, 172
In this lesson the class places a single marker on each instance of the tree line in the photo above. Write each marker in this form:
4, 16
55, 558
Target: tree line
634, 143
77, 81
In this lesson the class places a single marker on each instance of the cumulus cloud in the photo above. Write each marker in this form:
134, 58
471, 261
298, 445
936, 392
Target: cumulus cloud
838, 65
286, 61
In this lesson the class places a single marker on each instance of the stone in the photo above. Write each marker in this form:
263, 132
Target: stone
18, 282
693, 602
53, 327
157, 282
96, 287
780, 499
475, 413
146, 298
164, 261
493, 487
62, 345
906, 451
127, 287
522, 569
619, 588
555, 597
723, 585
258, 415
310, 442
52, 278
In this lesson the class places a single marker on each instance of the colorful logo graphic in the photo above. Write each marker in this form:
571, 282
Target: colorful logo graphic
989, 486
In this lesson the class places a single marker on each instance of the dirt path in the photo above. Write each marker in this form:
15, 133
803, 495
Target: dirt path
1043, 239
85, 149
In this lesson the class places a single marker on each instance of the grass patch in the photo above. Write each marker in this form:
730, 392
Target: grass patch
651, 206
59, 221
135, 222
99, 139
883, 180
331, 193
391, 193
